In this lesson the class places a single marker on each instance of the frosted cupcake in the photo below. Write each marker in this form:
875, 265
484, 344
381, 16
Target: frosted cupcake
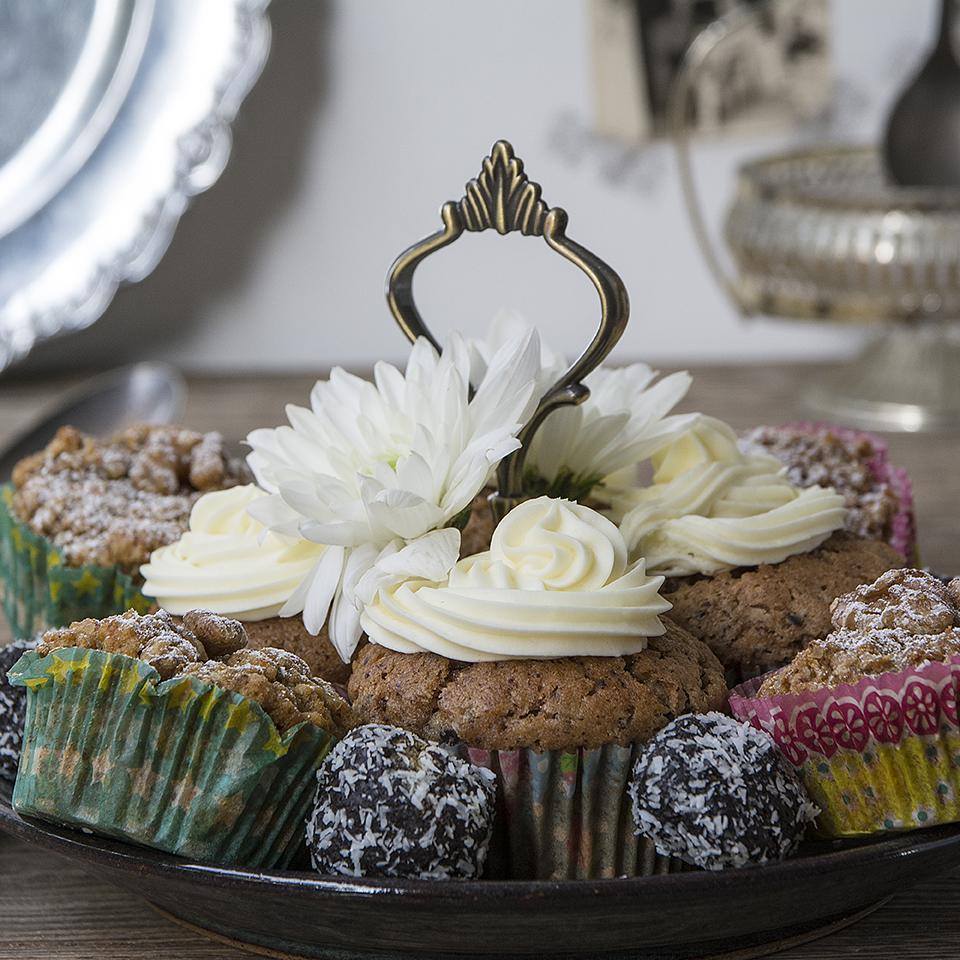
227, 562
546, 660
751, 560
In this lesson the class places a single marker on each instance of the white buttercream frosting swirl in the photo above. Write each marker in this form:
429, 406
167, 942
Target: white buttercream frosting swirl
556, 582
713, 508
228, 562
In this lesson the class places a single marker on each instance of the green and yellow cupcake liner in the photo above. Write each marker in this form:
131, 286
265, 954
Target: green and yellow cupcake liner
565, 815
180, 765
39, 591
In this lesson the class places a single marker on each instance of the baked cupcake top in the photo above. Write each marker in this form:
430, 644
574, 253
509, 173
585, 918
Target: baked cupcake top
539, 704
229, 562
112, 502
712, 508
213, 648
556, 582
904, 619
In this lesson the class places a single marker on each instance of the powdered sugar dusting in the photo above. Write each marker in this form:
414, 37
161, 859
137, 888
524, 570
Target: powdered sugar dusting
903, 619
114, 502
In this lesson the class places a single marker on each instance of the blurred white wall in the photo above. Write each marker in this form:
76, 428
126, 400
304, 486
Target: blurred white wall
372, 113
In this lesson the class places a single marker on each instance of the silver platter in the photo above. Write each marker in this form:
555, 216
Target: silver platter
114, 114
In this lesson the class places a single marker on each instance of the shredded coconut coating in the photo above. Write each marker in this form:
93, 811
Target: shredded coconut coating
390, 804
213, 648
717, 793
828, 459
114, 502
13, 709
904, 619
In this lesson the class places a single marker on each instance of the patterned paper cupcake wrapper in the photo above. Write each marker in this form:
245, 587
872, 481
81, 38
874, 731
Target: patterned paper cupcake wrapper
881, 754
39, 591
182, 765
565, 814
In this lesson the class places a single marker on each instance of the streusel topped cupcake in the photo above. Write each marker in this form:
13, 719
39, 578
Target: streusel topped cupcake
878, 495
83, 514
868, 713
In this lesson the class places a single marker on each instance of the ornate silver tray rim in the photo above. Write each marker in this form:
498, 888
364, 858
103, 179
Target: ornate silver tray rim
62, 296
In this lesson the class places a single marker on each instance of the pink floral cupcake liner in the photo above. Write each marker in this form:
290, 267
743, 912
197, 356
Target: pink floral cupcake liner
881, 754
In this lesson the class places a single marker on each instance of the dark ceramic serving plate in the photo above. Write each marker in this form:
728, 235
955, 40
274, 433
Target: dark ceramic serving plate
734, 914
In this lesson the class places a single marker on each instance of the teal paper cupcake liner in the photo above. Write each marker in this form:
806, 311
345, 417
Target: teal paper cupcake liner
180, 765
39, 591
565, 815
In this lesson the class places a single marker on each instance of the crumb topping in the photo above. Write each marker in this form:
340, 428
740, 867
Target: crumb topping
827, 459
213, 648
904, 619
113, 502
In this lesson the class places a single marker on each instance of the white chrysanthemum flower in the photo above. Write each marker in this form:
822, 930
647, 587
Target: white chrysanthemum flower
372, 467
623, 422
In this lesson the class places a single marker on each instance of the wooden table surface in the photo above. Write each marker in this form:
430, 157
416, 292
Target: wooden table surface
50, 908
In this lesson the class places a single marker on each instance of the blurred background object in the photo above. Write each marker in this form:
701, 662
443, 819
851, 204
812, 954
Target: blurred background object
928, 113
774, 72
113, 114
367, 112
824, 233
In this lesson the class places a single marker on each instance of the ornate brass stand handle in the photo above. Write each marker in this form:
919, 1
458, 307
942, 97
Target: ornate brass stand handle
503, 199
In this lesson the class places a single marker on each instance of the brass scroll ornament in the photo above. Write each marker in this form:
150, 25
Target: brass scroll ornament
503, 199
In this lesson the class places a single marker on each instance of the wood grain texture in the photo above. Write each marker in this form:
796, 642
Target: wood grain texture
50, 908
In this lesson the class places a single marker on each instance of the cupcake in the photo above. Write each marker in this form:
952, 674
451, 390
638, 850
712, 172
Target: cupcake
82, 515
878, 495
751, 560
229, 563
868, 713
175, 736
545, 660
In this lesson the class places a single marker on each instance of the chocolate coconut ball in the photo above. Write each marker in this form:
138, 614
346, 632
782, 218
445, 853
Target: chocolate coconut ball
390, 804
13, 708
716, 793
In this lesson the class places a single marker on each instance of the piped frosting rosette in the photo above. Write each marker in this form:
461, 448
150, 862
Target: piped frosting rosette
229, 562
712, 508
556, 582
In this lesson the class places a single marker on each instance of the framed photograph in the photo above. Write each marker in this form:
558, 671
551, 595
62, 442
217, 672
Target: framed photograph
773, 72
